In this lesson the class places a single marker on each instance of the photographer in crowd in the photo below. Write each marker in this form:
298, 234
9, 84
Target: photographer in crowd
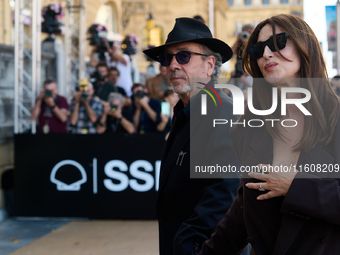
335, 83
101, 84
50, 109
158, 84
113, 78
115, 59
241, 80
113, 120
171, 98
146, 111
85, 110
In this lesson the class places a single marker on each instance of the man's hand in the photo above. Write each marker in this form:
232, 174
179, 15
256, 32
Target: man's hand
94, 48
106, 108
76, 97
41, 94
138, 103
144, 102
85, 101
49, 101
117, 114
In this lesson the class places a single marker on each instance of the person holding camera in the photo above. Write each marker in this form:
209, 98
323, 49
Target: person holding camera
113, 78
171, 98
240, 79
113, 119
102, 86
50, 109
120, 61
158, 84
85, 110
335, 83
146, 112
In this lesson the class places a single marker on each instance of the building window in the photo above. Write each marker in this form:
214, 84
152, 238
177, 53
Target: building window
106, 17
284, 1
247, 2
231, 2
265, 2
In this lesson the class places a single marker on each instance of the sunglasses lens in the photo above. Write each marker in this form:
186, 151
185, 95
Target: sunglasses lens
281, 40
256, 50
183, 57
165, 59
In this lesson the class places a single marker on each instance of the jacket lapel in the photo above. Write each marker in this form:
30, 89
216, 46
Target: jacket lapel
171, 152
291, 225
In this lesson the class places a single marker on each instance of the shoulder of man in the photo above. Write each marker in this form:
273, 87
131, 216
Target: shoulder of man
62, 102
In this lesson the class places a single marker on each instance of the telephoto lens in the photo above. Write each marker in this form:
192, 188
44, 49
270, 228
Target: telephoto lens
114, 107
245, 35
140, 94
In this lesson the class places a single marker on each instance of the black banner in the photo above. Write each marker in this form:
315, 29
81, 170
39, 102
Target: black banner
95, 176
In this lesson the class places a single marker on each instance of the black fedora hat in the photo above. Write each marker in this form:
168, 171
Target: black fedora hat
192, 30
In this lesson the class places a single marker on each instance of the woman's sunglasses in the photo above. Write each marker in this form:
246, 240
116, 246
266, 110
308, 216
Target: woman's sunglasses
256, 50
182, 57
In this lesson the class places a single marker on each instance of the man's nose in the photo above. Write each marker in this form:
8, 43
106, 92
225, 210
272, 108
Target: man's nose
174, 64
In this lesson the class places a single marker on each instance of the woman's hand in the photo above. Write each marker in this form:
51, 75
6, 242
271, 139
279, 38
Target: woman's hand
276, 180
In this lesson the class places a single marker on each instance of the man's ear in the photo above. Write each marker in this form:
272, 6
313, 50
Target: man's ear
211, 64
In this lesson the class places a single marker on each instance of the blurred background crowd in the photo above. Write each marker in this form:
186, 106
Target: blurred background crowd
92, 77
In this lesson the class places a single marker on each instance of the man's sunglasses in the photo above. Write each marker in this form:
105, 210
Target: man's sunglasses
256, 50
182, 57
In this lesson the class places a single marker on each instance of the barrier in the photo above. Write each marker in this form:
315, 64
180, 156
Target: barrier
95, 176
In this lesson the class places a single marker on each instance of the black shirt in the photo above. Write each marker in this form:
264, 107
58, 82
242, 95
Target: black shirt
103, 91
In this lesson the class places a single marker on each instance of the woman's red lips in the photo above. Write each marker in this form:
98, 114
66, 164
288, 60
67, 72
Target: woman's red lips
270, 66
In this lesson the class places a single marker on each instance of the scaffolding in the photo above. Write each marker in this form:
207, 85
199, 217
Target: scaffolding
75, 39
28, 56
27, 62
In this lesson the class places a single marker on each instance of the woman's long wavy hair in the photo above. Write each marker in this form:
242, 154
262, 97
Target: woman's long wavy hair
324, 104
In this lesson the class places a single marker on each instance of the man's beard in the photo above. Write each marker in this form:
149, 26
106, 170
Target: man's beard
184, 89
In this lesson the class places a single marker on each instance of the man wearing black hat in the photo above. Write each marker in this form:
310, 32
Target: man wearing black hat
189, 208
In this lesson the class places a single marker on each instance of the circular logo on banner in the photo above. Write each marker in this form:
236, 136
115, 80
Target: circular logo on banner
75, 186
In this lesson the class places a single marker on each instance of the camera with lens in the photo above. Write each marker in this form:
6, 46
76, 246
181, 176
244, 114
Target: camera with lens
113, 107
96, 76
83, 89
48, 93
140, 94
99, 38
244, 35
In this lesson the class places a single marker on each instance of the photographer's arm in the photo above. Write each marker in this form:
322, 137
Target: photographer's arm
237, 43
136, 117
115, 56
74, 114
93, 61
61, 114
127, 125
161, 126
90, 112
101, 126
35, 112
145, 104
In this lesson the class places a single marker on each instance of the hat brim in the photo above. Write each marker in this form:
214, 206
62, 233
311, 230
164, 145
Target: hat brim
214, 44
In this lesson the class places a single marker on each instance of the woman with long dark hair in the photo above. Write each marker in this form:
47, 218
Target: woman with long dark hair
291, 205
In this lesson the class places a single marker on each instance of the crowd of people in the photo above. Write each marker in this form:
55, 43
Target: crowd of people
275, 211
291, 212
100, 105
